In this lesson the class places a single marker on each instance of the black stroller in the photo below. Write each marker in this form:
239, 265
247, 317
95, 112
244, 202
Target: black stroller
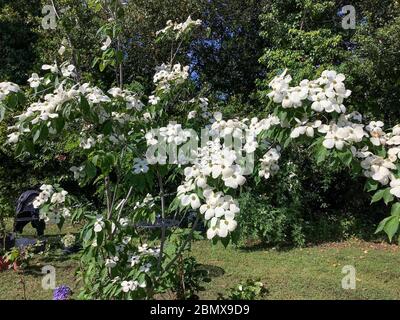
25, 213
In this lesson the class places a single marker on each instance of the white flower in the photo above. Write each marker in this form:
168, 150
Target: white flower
127, 286
134, 260
140, 166
77, 171
192, 115
375, 126
378, 168
208, 210
305, 128
112, 262
106, 43
145, 268
88, 143
99, 224
235, 179
7, 88
53, 68
61, 50
394, 140
221, 228
394, 154
34, 80
68, 71
115, 92
226, 226
192, 200
66, 213
147, 116
395, 187
143, 248
13, 137
153, 100
250, 146
59, 197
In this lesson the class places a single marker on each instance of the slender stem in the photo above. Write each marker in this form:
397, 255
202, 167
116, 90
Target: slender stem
74, 58
114, 195
125, 201
121, 76
182, 248
162, 196
108, 195
176, 52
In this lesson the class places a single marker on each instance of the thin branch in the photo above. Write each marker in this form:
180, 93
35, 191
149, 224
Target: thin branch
182, 248
74, 58
160, 256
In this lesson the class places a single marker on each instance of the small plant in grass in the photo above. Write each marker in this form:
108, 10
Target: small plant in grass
68, 240
250, 290
19, 260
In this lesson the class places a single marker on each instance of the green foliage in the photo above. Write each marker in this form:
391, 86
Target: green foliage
250, 290
190, 278
307, 37
260, 221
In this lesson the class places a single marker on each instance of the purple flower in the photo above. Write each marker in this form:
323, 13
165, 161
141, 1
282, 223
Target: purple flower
62, 292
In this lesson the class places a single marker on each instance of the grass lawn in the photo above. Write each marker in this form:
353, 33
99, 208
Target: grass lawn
307, 273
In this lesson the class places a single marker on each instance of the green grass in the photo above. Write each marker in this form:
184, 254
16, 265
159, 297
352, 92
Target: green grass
11, 287
308, 273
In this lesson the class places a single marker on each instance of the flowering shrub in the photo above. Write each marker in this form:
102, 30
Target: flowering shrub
52, 204
133, 144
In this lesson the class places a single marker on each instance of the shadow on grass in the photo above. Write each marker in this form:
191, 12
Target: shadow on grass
213, 271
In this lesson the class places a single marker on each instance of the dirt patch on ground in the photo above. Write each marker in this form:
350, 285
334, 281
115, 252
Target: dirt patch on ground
364, 245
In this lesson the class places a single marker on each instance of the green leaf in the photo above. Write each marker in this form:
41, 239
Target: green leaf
378, 196
90, 169
371, 185
381, 225
391, 226
387, 196
395, 209
321, 154
85, 107
346, 157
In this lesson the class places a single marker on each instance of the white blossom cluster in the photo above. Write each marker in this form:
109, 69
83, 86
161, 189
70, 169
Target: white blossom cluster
56, 202
326, 94
341, 133
179, 28
51, 105
205, 113
166, 74
217, 160
6, 88
138, 259
172, 134
269, 163
131, 99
